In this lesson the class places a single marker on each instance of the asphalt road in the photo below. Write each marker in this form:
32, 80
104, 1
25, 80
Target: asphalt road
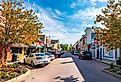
92, 70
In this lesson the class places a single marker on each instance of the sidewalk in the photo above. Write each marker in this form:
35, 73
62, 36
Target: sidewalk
108, 62
59, 70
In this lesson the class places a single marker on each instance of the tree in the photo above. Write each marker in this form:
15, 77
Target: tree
111, 19
65, 47
62, 47
70, 47
17, 25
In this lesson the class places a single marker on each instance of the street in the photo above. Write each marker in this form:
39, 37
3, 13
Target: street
59, 70
92, 70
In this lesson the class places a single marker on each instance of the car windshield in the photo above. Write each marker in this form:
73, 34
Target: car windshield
40, 54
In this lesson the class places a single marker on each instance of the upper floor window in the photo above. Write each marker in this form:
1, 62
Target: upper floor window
39, 32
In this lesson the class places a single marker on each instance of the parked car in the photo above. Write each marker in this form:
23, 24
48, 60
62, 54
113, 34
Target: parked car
37, 59
86, 55
76, 52
62, 52
57, 54
51, 56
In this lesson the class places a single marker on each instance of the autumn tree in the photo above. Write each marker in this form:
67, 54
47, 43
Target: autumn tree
111, 19
17, 25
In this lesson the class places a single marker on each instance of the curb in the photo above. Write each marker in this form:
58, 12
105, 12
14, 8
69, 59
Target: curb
105, 63
112, 74
102, 62
18, 77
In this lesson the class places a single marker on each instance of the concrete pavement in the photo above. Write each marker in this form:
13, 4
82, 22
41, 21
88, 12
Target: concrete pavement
59, 70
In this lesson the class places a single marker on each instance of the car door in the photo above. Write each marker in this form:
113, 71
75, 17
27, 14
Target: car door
29, 58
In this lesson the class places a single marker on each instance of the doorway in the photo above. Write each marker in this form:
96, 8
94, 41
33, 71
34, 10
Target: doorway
97, 53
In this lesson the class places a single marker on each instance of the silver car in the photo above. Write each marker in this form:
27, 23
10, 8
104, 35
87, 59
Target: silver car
37, 59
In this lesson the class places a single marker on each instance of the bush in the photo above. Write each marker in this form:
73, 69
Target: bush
5, 75
120, 58
14, 65
12, 75
113, 70
119, 72
11, 71
112, 66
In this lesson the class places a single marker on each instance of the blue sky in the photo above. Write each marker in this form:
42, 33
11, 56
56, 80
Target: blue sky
66, 19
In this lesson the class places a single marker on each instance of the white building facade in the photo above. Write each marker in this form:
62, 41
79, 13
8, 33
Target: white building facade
99, 52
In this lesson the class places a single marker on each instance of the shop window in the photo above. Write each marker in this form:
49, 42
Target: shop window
16, 50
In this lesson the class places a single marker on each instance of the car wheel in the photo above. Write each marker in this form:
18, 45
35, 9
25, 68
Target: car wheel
32, 64
43, 65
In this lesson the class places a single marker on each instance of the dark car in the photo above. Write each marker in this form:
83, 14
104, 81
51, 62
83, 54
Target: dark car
76, 52
86, 55
55, 53
62, 52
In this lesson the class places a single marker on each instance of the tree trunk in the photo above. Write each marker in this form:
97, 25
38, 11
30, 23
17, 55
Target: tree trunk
3, 54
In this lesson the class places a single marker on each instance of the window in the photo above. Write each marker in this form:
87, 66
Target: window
39, 31
16, 50
40, 54
115, 53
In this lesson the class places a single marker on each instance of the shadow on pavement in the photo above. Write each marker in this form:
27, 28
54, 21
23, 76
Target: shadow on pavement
32, 68
67, 62
71, 78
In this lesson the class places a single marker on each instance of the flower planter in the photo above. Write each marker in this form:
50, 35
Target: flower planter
118, 62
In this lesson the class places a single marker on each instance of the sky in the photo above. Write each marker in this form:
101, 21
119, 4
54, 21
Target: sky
66, 20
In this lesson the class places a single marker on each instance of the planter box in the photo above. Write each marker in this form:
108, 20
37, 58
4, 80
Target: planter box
118, 62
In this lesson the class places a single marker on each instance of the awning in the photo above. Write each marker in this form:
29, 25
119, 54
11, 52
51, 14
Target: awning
19, 45
36, 46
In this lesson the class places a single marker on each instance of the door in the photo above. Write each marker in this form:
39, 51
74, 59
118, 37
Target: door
29, 58
97, 53
100, 53
115, 53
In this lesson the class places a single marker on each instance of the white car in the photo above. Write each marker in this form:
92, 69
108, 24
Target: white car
37, 59
51, 56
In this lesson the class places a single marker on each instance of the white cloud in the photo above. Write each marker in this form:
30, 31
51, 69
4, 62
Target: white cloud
79, 2
52, 27
73, 5
99, 0
86, 15
94, 2
58, 12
